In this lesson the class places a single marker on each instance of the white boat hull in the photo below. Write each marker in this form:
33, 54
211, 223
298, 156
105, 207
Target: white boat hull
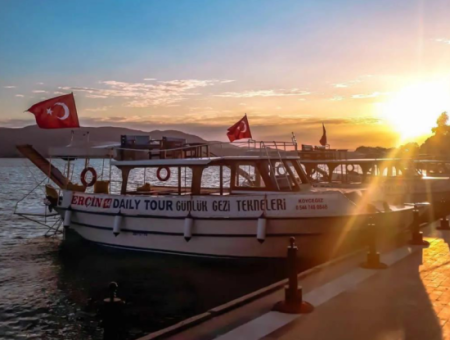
316, 236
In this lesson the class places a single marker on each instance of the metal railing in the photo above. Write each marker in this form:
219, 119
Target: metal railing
263, 146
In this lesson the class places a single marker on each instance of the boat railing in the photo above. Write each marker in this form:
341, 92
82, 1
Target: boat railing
198, 150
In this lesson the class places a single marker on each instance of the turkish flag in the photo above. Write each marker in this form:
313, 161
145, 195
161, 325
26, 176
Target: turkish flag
323, 140
56, 113
239, 130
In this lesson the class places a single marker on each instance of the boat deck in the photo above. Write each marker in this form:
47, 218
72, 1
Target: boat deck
408, 300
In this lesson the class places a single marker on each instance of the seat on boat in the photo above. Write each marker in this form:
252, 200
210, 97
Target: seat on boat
101, 187
145, 187
51, 192
76, 187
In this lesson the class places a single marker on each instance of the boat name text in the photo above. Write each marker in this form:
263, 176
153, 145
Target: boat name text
274, 204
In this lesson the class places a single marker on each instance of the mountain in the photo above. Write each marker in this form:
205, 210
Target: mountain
43, 139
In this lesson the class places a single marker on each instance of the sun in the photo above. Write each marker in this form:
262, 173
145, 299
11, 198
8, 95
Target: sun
413, 111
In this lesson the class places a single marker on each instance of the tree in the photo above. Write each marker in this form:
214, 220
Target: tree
439, 143
442, 128
409, 150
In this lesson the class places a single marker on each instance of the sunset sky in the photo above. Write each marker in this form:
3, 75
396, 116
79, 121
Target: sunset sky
375, 72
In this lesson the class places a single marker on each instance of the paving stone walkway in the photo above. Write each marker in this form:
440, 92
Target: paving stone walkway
409, 300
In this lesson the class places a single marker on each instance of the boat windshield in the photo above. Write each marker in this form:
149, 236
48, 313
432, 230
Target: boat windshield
221, 177
266, 175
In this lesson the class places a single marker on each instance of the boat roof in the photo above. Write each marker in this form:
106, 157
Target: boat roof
195, 161
85, 150
369, 160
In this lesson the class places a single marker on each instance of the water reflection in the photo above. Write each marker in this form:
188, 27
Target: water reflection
159, 289
53, 292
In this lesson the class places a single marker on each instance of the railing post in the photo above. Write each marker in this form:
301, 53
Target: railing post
443, 223
416, 234
293, 296
373, 256
111, 315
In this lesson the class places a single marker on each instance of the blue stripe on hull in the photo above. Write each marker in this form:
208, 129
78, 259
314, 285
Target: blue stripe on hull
202, 218
178, 253
198, 235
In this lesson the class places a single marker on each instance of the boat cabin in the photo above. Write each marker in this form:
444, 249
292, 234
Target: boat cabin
217, 175
172, 166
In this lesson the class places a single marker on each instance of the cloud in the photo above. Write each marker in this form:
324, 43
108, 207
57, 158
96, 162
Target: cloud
265, 93
336, 98
346, 84
371, 95
39, 83
213, 118
39, 91
20, 95
95, 96
163, 93
443, 41
98, 109
16, 123
59, 92
149, 79
9, 87
206, 108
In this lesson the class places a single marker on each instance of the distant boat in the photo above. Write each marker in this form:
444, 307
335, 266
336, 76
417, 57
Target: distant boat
390, 179
219, 206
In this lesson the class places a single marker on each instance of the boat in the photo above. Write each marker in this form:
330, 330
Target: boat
390, 179
194, 202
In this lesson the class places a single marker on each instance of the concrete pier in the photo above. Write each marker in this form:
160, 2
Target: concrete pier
408, 300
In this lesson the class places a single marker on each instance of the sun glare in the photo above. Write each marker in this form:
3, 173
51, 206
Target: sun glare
413, 111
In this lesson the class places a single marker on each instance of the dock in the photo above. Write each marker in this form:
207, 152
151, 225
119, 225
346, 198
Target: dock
408, 300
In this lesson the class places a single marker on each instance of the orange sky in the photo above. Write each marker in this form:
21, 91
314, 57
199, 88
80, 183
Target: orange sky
376, 74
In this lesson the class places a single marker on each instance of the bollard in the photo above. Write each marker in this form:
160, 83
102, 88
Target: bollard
443, 225
373, 256
111, 315
293, 298
416, 234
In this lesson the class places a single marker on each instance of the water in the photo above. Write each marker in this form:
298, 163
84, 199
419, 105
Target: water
50, 291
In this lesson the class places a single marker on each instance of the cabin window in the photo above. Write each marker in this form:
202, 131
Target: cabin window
293, 171
145, 181
300, 171
283, 175
211, 182
184, 179
248, 176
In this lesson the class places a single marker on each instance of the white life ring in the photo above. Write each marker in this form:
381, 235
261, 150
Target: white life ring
279, 172
350, 167
158, 173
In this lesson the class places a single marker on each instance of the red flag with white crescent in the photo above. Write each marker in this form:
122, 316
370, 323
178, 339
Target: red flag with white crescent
323, 140
239, 130
56, 113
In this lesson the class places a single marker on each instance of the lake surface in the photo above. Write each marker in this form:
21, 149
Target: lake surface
52, 290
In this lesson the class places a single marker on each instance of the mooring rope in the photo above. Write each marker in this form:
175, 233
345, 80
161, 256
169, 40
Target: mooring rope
28, 194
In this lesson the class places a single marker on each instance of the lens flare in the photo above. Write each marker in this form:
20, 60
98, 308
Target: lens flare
413, 111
